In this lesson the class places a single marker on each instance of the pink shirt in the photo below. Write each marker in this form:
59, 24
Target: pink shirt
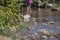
29, 1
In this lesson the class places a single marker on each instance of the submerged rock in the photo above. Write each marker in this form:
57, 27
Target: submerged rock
49, 23
45, 37
44, 31
54, 9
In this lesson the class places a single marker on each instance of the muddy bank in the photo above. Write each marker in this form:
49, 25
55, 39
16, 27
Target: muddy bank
5, 38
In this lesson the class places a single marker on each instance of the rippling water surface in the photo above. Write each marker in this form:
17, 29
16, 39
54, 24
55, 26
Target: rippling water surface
44, 22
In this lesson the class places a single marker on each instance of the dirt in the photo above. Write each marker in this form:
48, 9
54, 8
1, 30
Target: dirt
5, 38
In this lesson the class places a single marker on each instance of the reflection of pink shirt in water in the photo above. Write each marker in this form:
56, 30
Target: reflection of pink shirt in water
29, 1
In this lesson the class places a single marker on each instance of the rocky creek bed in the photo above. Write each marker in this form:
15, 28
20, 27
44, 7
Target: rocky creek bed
45, 26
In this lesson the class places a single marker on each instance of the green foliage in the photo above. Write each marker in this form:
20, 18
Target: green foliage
10, 17
5, 15
46, 2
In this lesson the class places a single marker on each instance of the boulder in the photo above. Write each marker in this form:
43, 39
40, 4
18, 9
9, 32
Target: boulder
44, 31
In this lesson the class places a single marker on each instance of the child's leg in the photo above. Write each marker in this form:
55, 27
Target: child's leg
28, 9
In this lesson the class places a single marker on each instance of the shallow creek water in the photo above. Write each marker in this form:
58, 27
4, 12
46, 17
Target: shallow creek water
49, 22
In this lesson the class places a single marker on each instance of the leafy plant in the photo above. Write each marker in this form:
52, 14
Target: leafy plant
10, 17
